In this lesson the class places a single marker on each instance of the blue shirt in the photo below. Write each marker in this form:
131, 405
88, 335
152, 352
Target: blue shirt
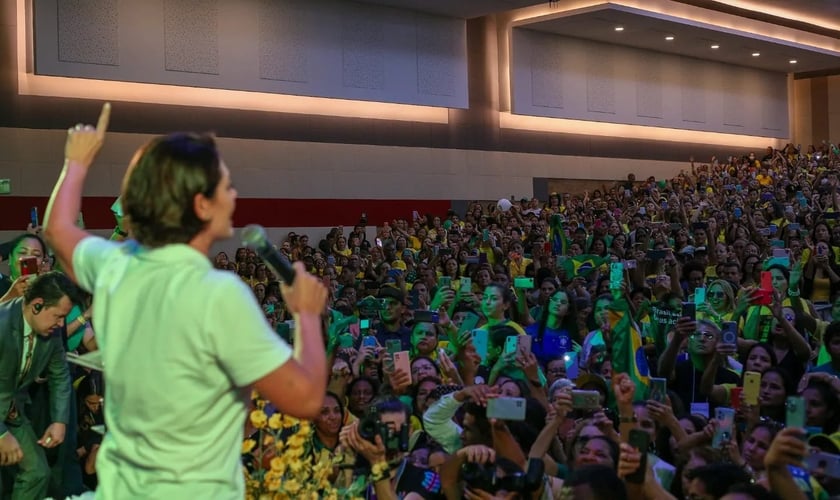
825, 368
554, 343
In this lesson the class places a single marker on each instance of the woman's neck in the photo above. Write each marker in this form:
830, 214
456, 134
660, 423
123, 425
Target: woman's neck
495, 321
328, 441
554, 321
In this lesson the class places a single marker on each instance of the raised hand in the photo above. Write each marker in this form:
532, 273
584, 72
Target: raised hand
478, 394
624, 389
84, 141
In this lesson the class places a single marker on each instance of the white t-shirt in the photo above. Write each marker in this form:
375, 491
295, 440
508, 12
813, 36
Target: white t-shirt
181, 343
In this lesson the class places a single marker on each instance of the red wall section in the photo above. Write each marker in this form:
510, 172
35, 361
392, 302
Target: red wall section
268, 212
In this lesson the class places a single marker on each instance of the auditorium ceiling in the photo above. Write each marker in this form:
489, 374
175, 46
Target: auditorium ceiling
621, 25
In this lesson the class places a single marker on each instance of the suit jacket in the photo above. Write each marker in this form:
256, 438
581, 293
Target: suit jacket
48, 357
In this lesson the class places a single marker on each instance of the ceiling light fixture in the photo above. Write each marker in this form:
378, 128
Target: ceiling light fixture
793, 61
756, 54
619, 28
715, 46
669, 38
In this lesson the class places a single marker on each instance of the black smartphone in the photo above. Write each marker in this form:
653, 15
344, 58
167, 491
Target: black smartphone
689, 309
426, 317
640, 440
655, 255
33, 216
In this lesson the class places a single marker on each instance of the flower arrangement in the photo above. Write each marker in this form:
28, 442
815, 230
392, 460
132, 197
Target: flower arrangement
286, 464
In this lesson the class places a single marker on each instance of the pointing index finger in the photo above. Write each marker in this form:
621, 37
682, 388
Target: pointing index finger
104, 118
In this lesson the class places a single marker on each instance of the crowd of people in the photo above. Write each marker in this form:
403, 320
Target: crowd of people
652, 339
700, 309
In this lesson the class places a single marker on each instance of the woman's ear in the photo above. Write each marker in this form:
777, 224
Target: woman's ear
202, 207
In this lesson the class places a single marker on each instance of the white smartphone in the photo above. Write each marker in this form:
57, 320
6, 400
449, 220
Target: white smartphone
506, 408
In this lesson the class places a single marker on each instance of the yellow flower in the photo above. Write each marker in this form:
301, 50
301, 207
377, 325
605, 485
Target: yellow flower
289, 422
273, 480
279, 445
278, 464
295, 441
258, 419
291, 486
296, 466
248, 445
268, 440
305, 428
276, 421
294, 452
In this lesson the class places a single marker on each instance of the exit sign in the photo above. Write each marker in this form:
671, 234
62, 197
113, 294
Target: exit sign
5, 186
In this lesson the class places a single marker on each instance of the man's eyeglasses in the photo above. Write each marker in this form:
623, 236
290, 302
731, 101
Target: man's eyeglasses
703, 335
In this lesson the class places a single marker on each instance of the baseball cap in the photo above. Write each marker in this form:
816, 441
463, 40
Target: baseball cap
389, 292
591, 381
826, 442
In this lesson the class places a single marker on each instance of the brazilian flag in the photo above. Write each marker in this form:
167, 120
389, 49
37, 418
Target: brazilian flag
627, 348
559, 240
583, 265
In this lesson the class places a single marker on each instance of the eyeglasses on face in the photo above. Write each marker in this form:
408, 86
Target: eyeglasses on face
703, 335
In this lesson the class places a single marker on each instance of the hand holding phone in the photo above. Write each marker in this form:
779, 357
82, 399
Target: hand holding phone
640, 440
503, 408
28, 266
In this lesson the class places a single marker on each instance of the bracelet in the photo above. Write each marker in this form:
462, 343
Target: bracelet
82, 321
791, 293
120, 232
379, 471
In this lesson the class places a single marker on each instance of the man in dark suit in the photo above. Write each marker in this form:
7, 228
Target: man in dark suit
28, 348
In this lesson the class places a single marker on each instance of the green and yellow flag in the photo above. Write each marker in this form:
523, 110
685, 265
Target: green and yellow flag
627, 348
559, 240
583, 265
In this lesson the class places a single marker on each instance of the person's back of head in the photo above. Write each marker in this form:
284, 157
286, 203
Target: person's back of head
746, 491
160, 187
718, 478
596, 482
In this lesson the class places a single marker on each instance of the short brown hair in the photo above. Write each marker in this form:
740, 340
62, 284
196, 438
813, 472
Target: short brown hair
160, 185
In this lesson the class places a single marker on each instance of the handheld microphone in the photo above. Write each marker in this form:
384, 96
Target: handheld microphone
253, 237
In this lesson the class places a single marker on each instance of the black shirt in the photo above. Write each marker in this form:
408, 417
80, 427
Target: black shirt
687, 379
403, 334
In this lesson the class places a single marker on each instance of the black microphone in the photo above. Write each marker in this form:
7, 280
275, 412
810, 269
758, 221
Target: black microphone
253, 237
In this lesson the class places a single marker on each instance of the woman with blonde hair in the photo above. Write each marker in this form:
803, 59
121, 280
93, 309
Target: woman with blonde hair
720, 303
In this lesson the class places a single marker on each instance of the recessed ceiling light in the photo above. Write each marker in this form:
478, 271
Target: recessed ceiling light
619, 28
715, 46
669, 38
756, 54
793, 61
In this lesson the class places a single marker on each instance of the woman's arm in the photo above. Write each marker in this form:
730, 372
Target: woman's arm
716, 393
797, 342
523, 313
60, 229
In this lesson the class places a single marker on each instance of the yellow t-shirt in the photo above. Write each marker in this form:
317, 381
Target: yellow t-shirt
518, 268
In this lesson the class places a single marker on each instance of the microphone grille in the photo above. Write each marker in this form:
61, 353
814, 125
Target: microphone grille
253, 236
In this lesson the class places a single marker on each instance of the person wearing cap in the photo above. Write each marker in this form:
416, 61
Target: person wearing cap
391, 325
826, 443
